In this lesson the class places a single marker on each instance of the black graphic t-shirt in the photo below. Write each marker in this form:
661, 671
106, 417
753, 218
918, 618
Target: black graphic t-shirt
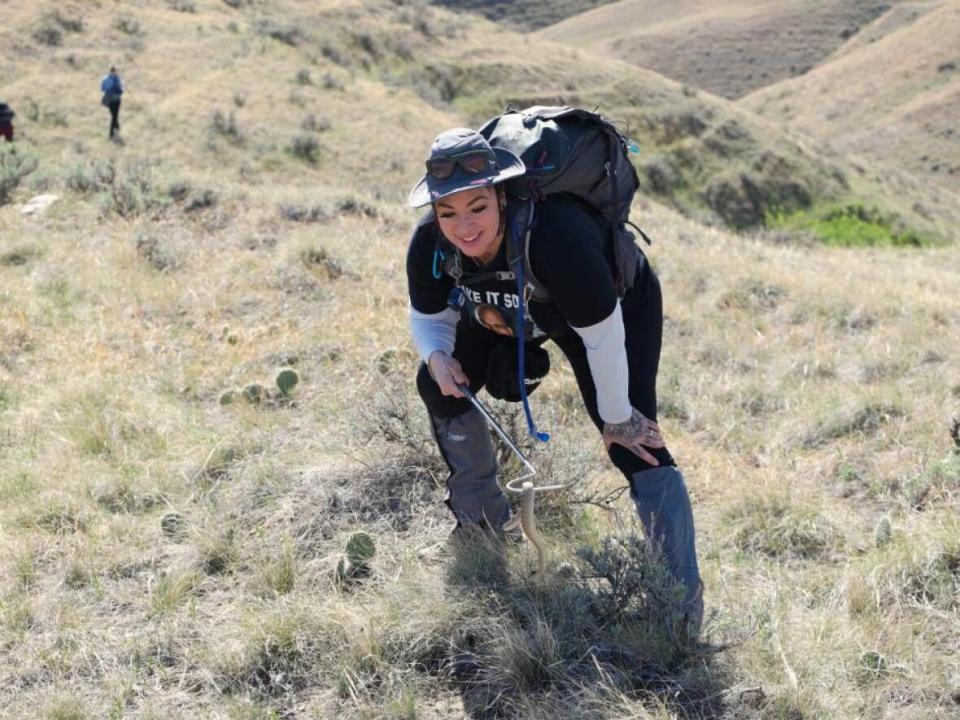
566, 255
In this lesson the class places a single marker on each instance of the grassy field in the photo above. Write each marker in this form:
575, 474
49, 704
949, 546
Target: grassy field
167, 553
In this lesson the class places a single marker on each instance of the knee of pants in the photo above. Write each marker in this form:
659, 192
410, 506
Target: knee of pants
629, 462
437, 403
659, 489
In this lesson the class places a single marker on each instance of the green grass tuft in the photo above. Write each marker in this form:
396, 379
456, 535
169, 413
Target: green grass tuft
852, 225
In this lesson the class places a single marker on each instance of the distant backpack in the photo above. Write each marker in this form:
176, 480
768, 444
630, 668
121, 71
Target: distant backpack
579, 154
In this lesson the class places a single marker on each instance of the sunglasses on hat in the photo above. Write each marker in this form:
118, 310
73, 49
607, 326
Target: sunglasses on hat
472, 162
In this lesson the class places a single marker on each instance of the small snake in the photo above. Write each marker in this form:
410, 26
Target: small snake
528, 524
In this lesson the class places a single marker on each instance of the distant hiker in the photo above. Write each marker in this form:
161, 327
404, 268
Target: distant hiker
6, 122
466, 312
112, 88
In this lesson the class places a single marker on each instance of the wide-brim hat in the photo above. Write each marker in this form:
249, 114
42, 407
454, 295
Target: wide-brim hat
456, 142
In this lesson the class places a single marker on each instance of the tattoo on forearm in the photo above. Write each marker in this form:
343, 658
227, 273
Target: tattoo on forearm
631, 428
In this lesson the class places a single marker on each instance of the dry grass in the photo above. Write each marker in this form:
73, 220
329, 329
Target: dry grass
167, 556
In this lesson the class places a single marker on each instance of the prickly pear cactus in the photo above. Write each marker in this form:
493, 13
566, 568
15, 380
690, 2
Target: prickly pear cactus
354, 565
254, 393
287, 379
360, 548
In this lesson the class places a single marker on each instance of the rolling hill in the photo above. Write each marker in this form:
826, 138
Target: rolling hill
522, 14
728, 48
895, 97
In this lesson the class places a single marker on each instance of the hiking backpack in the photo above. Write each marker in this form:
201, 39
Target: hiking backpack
568, 151
579, 154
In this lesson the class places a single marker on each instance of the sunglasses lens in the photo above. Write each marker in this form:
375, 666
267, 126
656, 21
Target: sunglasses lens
474, 162
441, 168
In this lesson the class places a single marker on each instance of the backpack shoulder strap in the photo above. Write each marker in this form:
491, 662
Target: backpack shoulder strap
518, 247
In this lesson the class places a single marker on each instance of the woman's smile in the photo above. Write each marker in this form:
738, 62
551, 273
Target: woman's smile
471, 221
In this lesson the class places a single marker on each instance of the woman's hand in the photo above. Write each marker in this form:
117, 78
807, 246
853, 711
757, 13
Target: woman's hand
447, 372
636, 434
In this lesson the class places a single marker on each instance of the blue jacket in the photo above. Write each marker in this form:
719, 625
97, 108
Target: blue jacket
111, 84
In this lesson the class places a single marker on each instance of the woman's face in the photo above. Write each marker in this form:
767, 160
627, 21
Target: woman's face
471, 221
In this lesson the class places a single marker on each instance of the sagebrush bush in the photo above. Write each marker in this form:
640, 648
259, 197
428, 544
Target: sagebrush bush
69, 22
128, 25
132, 193
611, 621
305, 147
91, 177
286, 34
48, 34
15, 165
225, 125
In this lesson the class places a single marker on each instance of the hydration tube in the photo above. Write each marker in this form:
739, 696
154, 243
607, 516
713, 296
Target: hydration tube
522, 377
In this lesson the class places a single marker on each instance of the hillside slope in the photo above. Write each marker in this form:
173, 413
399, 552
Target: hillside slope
699, 153
895, 99
728, 48
517, 14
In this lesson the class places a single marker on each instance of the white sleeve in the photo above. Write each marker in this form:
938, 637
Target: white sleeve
433, 332
607, 357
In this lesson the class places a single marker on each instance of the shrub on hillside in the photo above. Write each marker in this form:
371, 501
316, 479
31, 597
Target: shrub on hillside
609, 621
304, 213
335, 55
331, 82
306, 148
288, 35
54, 24
48, 34
127, 25
131, 193
69, 22
311, 123
15, 165
225, 125
94, 176
156, 253
187, 6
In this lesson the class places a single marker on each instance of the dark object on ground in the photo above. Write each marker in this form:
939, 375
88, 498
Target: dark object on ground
6, 122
